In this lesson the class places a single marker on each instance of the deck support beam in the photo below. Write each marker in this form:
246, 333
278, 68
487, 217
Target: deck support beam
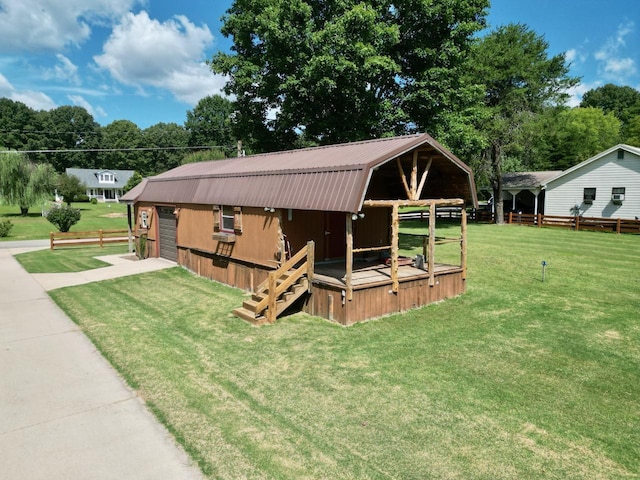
395, 233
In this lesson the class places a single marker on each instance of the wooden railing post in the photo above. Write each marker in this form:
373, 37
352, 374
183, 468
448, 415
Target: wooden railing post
349, 259
539, 220
310, 261
431, 263
101, 235
463, 243
51, 240
510, 217
273, 297
395, 228
618, 226
577, 220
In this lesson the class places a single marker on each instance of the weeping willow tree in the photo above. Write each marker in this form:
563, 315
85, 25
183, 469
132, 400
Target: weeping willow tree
24, 183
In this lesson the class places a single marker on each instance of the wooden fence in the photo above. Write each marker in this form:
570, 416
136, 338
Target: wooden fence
97, 237
617, 225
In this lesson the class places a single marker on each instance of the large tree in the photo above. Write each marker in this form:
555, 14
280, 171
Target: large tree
519, 80
210, 123
70, 128
340, 70
166, 141
121, 139
23, 183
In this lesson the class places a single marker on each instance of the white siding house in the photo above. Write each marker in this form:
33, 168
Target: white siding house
103, 185
606, 185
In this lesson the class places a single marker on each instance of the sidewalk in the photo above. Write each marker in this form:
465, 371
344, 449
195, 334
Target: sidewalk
64, 412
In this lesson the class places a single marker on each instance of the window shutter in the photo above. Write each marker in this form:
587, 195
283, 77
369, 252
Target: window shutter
216, 218
237, 219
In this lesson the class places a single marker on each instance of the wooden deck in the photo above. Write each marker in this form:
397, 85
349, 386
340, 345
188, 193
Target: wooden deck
372, 293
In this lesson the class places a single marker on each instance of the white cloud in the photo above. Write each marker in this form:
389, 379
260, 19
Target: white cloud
36, 25
143, 52
64, 70
612, 62
31, 98
576, 92
80, 101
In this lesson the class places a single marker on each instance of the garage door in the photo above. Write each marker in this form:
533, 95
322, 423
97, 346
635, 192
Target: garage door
167, 233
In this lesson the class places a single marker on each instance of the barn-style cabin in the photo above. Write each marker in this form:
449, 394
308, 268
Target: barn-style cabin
318, 227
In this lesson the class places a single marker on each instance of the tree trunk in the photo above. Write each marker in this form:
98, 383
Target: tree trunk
24, 211
496, 180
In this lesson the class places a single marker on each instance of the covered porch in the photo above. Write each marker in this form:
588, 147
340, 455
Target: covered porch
372, 281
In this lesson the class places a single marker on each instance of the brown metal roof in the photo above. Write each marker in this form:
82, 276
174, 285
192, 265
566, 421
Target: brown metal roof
331, 178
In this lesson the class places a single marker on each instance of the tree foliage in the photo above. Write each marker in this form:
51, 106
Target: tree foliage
24, 183
519, 81
317, 72
70, 186
134, 180
210, 123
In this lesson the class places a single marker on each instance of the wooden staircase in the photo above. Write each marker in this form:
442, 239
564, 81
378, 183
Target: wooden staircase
283, 287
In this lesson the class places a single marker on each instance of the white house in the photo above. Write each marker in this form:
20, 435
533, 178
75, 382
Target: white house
103, 185
606, 185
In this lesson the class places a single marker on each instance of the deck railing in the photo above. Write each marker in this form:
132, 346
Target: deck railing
289, 274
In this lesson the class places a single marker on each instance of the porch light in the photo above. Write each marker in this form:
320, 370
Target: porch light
354, 216
269, 209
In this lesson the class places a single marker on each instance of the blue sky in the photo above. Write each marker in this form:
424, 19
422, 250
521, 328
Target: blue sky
143, 60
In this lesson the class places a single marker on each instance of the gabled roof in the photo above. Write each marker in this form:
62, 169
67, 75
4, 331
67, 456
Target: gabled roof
628, 148
527, 179
89, 176
331, 178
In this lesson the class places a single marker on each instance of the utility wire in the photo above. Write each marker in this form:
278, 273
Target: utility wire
136, 149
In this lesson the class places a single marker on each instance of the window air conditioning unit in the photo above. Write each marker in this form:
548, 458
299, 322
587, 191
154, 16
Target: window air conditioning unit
617, 198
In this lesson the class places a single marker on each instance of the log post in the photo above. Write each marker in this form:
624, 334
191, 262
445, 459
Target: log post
273, 298
463, 243
349, 259
432, 244
310, 261
395, 227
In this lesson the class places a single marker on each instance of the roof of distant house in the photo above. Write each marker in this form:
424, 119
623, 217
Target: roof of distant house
515, 180
91, 177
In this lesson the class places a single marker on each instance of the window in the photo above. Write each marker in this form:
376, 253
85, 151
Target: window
620, 154
617, 195
227, 219
589, 195
106, 178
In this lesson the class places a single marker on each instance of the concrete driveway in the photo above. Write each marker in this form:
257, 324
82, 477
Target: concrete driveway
64, 412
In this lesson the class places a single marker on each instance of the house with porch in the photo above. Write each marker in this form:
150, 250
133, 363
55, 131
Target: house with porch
606, 185
102, 184
318, 227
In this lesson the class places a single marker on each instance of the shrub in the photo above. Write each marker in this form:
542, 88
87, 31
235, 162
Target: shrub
64, 217
81, 198
5, 228
94, 201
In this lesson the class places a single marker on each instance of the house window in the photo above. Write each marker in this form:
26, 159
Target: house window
620, 154
106, 178
617, 195
227, 219
589, 195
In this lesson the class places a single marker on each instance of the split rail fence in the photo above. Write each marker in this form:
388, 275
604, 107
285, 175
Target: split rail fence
617, 225
96, 237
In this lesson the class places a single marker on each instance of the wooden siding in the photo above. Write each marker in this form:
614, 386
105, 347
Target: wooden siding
602, 174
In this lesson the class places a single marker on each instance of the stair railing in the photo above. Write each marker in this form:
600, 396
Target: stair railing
275, 290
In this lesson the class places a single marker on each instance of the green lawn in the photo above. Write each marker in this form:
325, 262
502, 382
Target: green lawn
514, 379
106, 216
68, 259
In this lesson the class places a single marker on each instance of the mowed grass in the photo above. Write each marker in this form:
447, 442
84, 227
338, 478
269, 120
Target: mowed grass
106, 216
514, 379
68, 259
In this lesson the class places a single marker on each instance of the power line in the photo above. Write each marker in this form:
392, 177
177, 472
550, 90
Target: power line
136, 149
